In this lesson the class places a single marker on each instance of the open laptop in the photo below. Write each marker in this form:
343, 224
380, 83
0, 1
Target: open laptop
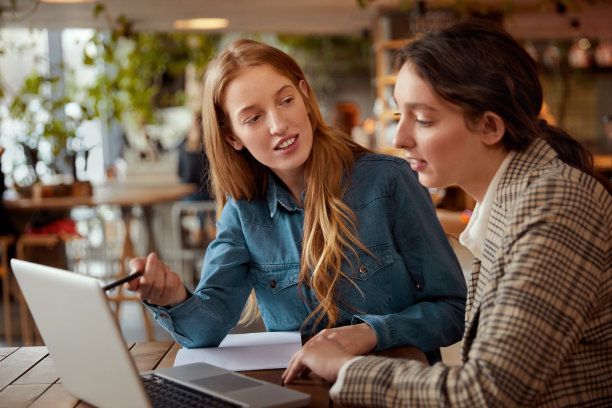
79, 329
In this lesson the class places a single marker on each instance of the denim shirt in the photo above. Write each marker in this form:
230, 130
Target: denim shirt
410, 289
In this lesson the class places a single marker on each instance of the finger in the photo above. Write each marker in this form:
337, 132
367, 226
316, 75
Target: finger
168, 287
155, 282
294, 369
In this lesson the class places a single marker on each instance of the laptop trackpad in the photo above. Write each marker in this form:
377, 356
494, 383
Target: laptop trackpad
226, 382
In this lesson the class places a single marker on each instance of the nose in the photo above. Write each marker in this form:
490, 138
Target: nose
278, 124
404, 136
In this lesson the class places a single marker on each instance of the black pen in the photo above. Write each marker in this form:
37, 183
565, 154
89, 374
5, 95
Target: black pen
118, 282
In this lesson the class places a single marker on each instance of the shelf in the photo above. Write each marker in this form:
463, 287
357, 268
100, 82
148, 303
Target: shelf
396, 44
388, 116
386, 80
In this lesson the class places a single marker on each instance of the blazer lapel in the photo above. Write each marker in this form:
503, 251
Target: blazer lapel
486, 272
471, 312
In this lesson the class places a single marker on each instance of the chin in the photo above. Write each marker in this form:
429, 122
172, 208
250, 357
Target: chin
429, 182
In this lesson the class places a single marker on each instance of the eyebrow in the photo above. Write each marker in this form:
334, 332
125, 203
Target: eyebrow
247, 108
418, 106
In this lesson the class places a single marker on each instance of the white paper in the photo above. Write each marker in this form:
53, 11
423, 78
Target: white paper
243, 352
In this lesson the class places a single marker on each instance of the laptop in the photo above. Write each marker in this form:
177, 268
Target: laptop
84, 340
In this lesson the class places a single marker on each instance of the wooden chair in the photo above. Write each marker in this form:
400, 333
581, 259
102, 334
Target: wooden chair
5, 274
117, 296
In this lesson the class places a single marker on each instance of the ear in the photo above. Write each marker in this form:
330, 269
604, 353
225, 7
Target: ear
232, 141
492, 128
304, 88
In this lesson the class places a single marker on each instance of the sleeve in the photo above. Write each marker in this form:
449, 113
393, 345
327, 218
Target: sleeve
205, 318
437, 317
532, 318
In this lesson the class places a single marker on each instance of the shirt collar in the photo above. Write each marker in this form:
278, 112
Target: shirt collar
473, 237
278, 195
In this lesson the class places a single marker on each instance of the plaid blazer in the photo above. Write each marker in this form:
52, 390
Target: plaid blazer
538, 328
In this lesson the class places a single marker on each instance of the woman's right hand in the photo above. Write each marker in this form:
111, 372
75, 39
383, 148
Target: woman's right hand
158, 285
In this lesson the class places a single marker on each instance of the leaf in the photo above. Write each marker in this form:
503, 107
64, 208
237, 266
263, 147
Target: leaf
98, 9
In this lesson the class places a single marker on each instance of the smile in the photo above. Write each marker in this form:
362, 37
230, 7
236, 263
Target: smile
286, 143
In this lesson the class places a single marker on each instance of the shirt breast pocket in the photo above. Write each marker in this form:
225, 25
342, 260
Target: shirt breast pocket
280, 303
368, 264
275, 278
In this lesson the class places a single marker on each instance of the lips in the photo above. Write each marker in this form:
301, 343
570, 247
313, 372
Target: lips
416, 164
286, 142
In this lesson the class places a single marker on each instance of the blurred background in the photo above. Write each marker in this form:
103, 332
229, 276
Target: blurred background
101, 96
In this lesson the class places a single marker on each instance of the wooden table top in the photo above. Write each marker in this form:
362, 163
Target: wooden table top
122, 194
28, 377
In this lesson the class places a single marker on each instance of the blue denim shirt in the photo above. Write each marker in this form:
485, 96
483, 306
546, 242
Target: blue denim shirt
411, 291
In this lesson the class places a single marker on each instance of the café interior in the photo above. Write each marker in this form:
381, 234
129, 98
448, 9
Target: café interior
97, 97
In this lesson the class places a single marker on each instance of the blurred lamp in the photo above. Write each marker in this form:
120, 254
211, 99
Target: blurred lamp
603, 54
551, 57
66, 1
579, 54
201, 24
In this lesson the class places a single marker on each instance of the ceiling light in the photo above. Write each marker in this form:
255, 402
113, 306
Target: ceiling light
201, 24
66, 1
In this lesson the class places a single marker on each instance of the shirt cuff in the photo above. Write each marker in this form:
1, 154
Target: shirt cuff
334, 391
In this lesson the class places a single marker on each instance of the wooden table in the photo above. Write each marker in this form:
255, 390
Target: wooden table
28, 377
125, 194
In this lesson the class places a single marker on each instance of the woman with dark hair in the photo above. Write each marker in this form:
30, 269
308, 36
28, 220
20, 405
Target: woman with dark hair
539, 314
325, 233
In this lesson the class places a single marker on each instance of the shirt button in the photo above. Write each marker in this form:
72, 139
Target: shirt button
418, 286
363, 269
272, 284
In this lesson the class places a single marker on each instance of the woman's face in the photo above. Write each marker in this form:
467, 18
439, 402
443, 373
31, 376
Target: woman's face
434, 134
269, 118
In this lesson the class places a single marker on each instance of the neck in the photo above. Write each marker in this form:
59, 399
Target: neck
294, 181
478, 184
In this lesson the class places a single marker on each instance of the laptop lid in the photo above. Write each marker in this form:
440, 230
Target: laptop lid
79, 329
77, 326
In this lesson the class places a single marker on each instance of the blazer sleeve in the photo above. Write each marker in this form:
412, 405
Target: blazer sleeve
534, 309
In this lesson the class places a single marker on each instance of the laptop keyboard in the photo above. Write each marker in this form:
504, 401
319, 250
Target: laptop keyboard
164, 393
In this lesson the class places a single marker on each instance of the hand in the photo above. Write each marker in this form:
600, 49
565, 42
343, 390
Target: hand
322, 355
356, 339
158, 285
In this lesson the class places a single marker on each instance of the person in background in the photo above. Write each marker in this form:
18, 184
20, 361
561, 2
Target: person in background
346, 116
333, 239
539, 314
6, 225
193, 161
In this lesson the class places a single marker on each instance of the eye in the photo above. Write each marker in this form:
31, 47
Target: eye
252, 119
287, 100
423, 123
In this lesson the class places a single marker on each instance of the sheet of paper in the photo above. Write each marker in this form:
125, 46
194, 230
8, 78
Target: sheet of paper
243, 352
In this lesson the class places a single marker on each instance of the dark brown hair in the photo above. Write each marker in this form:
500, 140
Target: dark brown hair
479, 67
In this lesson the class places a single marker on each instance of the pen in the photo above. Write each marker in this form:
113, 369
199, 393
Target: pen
126, 278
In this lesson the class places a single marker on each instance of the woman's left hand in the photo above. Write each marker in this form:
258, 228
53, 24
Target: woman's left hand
356, 339
321, 355
329, 349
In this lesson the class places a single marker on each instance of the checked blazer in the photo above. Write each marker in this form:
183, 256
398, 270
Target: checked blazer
538, 328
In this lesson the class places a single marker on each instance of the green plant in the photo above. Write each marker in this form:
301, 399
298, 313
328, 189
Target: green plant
133, 69
135, 66
48, 116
